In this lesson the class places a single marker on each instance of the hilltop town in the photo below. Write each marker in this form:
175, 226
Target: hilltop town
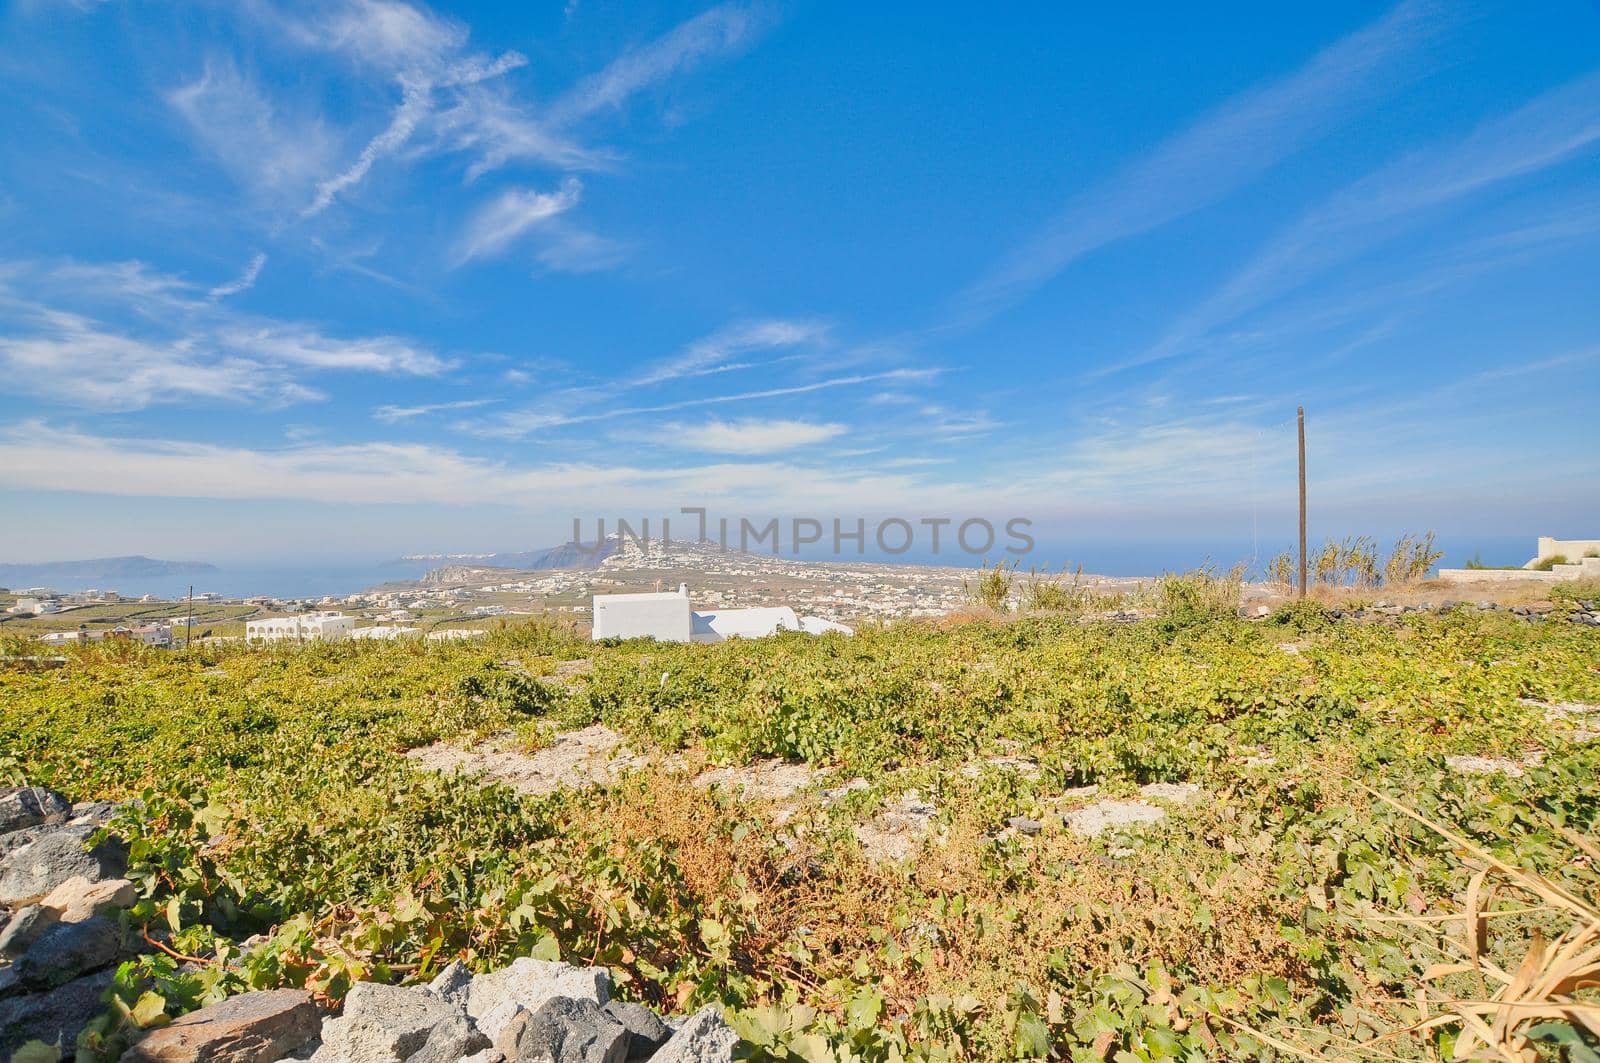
459, 598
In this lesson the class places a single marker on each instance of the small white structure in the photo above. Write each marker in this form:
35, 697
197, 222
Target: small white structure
754, 623
158, 635
325, 627
663, 616
456, 634
816, 625
1582, 562
149, 634
379, 631
1579, 553
666, 617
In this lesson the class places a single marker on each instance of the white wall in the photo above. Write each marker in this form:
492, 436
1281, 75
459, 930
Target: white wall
1571, 549
663, 617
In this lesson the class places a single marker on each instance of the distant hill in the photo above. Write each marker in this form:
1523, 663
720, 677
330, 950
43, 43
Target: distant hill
97, 571
567, 555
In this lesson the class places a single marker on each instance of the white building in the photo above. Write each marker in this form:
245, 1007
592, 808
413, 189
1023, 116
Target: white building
149, 634
456, 634
159, 635
666, 617
326, 627
379, 631
663, 616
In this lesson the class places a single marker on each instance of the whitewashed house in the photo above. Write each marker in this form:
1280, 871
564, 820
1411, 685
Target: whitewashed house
663, 616
324, 627
666, 617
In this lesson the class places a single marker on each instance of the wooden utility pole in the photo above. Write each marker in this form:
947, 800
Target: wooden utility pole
1302, 501
188, 623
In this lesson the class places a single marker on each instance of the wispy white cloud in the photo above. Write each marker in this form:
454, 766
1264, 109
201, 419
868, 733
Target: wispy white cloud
425, 56
453, 99
1221, 152
724, 29
294, 344
394, 414
509, 216
124, 337
565, 248
39, 456
725, 350
79, 362
414, 105
1550, 130
272, 150
748, 435
520, 423
244, 281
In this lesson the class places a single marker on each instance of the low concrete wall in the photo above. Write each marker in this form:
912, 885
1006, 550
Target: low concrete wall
1588, 568
1497, 575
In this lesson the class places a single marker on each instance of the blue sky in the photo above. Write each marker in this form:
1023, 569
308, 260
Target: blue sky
355, 278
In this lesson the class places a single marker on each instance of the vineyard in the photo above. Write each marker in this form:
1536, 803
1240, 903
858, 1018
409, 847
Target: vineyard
1191, 837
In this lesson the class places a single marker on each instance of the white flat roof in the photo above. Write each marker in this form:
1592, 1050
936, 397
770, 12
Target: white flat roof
647, 596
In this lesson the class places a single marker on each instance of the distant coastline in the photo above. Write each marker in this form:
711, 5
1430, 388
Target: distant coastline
286, 578
98, 570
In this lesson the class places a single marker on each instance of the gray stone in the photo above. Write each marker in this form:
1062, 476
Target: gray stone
29, 806
9, 982
98, 813
249, 1028
704, 1038
529, 983
34, 870
1108, 815
564, 1030
488, 1055
450, 1041
26, 926
452, 982
54, 1017
1181, 792
1024, 825
382, 1024
10, 843
65, 951
646, 1031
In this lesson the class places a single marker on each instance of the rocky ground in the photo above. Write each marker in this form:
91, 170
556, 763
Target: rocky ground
59, 899
529, 1012
61, 939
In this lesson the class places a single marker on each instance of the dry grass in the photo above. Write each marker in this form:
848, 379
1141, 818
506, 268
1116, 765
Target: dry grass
1492, 1005
1494, 1022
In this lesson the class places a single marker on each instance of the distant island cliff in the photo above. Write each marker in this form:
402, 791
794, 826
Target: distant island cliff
75, 574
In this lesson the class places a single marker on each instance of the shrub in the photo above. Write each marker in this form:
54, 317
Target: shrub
993, 588
1195, 597
1282, 570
